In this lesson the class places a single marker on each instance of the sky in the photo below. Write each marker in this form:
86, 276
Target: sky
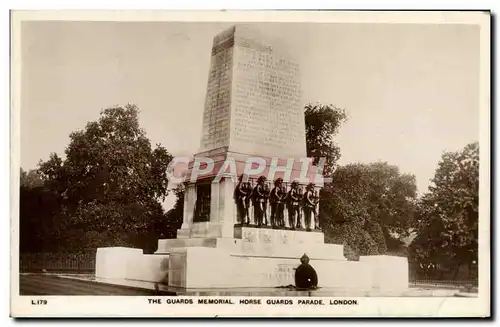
411, 91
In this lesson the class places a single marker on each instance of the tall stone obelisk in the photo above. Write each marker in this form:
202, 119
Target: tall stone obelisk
253, 103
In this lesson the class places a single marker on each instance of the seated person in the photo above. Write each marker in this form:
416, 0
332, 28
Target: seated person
305, 275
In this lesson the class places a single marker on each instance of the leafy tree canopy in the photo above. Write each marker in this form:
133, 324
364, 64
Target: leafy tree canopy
110, 182
31, 178
368, 207
447, 219
322, 124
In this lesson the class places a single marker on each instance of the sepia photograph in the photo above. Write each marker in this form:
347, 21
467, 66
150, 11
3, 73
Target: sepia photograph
250, 164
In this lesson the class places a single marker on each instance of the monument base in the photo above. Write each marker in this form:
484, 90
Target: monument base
261, 242
254, 257
198, 267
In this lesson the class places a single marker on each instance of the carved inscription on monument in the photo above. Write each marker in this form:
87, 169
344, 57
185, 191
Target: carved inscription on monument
249, 237
266, 98
285, 274
253, 98
217, 103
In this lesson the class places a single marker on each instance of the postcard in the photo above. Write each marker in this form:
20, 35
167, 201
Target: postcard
250, 164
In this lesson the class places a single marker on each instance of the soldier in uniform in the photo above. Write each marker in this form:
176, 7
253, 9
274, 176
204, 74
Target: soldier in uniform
316, 209
259, 198
299, 210
277, 202
309, 205
248, 188
267, 192
241, 197
294, 198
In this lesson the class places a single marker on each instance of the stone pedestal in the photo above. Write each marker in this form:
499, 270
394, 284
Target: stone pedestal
209, 263
254, 257
202, 268
118, 263
262, 242
222, 212
113, 263
389, 272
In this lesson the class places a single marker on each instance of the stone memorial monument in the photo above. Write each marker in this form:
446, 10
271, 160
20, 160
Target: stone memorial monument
249, 227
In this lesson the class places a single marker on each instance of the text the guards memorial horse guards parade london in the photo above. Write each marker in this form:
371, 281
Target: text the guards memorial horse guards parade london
251, 195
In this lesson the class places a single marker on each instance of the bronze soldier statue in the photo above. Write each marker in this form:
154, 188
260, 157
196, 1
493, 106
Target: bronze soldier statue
299, 210
316, 209
309, 205
277, 202
242, 197
294, 198
267, 192
259, 196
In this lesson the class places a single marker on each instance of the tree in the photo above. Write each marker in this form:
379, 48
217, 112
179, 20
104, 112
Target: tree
447, 221
31, 179
174, 216
110, 183
368, 208
37, 209
322, 124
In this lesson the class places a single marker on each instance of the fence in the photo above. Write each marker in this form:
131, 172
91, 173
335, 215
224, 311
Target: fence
57, 262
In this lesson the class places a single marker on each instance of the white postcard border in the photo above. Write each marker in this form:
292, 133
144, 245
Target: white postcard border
97, 306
